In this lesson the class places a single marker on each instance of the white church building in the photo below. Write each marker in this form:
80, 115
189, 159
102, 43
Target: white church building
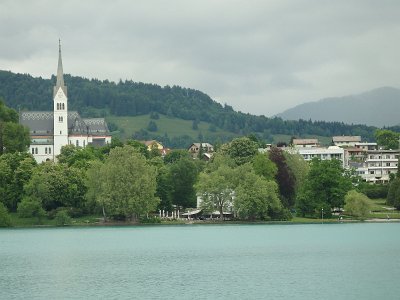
50, 130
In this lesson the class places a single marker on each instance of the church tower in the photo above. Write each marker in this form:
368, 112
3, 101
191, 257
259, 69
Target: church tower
60, 109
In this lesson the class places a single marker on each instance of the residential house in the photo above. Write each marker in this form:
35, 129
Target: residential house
305, 143
194, 149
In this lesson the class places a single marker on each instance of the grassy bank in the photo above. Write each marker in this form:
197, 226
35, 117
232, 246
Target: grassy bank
378, 207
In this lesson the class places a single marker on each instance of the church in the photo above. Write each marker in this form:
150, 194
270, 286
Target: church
51, 130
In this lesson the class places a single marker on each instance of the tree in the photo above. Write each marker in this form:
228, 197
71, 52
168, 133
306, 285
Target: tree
393, 196
263, 166
256, 197
325, 188
284, 177
183, 175
195, 125
216, 189
15, 171
13, 136
152, 126
175, 155
241, 150
78, 157
29, 208
356, 204
387, 138
298, 167
124, 185
5, 220
57, 185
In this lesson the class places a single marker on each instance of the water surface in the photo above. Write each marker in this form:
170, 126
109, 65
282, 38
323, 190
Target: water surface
341, 261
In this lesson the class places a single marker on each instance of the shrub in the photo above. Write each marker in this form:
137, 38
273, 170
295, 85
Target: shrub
5, 220
150, 220
62, 218
29, 208
375, 191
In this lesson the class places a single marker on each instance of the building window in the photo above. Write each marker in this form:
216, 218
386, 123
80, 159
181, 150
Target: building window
60, 132
45, 150
49, 150
77, 143
36, 150
63, 106
84, 144
58, 106
33, 150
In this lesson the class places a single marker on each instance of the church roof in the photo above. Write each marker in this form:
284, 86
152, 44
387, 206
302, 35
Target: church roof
41, 123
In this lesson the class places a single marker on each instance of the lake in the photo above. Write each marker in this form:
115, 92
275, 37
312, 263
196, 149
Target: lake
319, 261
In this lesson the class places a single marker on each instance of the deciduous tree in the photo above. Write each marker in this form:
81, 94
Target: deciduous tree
256, 197
356, 204
125, 184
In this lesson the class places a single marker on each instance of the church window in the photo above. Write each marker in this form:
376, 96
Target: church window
33, 150
63, 106
45, 150
36, 150
49, 150
58, 106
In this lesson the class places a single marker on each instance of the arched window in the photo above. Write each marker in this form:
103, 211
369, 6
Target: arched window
58, 106
36, 150
77, 143
49, 150
63, 106
45, 150
33, 150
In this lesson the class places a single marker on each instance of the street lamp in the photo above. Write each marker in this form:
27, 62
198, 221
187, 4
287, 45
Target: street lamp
322, 214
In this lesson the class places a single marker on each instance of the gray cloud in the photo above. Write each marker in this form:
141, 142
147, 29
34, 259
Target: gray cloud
259, 56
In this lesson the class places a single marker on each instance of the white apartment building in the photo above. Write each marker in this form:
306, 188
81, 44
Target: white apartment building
380, 164
332, 152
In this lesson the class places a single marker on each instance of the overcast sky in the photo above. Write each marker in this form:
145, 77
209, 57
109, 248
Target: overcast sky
260, 57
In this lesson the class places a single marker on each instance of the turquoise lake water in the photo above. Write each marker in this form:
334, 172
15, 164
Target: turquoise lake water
340, 261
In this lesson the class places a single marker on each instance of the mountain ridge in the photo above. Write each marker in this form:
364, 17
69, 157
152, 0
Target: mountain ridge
378, 107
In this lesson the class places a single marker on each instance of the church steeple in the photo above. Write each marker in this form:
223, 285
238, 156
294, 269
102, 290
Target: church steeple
60, 73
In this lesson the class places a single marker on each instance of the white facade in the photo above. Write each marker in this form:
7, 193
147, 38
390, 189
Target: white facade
380, 164
332, 152
51, 130
60, 121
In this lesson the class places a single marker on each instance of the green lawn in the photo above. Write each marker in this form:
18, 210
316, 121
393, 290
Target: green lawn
172, 126
29, 222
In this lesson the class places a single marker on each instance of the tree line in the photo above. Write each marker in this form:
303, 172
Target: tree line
96, 98
125, 181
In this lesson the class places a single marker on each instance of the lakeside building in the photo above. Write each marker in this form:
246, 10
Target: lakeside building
378, 166
51, 130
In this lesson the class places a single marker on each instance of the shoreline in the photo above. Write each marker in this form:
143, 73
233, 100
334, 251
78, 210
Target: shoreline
303, 221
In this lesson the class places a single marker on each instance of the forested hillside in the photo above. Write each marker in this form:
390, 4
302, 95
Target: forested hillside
127, 98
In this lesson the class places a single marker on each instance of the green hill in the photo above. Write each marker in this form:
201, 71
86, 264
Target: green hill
177, 107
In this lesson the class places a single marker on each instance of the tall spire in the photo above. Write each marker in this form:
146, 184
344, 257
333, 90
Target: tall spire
60, 73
